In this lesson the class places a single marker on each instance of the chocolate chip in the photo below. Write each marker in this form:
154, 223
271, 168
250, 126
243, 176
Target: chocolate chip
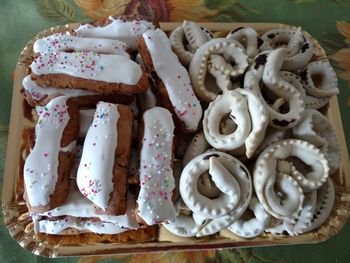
304, 47
260, 42
271, 36
211, 155
303, 75
260, 61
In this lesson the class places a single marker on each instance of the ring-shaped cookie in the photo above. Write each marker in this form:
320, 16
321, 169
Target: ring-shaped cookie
248, 37
317, 129
311, 102
228, 174
276, 164
252, 227
246, 110
216, 55
300, 47
320, 79
304, 218
184, 225
287, 107
187, 38
324, 206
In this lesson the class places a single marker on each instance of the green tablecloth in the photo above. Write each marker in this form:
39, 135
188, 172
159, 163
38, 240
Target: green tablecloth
326, 20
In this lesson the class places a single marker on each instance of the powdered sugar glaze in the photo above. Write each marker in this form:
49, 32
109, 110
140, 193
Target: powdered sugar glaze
88, 65
80, 207
64, 42
95, 172
39, 92
175, 78
126, 31
41, 166
156, 175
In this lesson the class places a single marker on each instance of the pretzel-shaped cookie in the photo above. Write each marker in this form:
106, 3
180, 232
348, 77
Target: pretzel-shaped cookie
248, 37
248, 113
187, 38
232, 179
317, 129
217, 57
276, 165
252, 227
320, 80
299, 46
283, 101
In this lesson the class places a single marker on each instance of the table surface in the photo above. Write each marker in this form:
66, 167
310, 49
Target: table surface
326, 20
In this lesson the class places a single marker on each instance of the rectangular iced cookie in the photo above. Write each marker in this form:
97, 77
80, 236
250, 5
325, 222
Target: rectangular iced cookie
123, 28
171, 80
47, 168
103, 169
90, 71
37, 95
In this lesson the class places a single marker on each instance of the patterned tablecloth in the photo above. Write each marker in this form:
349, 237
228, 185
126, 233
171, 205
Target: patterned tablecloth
327, 20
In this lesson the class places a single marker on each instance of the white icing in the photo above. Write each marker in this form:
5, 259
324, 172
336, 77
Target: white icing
57, 226
175, 78
64, 42
88, 65
77, 207
41, 166
85, 120
95, 172
126, 31
38, 92
156, 175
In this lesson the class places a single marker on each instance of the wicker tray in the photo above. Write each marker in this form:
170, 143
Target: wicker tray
18, 221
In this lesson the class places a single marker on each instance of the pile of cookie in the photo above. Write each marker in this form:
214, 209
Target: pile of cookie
136, 128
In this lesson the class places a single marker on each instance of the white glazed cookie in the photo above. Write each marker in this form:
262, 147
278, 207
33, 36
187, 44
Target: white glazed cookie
126, 31
88, 65
310, 101
156, 174
230, 177
174, 77
305, 217
78, 211
299, 46
246, 111
95, 172
248, 37
40, 170
255, 226
282, 100
63, 42
275, 168
187, 38
185, 224
320, 80
318, 130
215, 58
38, 92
